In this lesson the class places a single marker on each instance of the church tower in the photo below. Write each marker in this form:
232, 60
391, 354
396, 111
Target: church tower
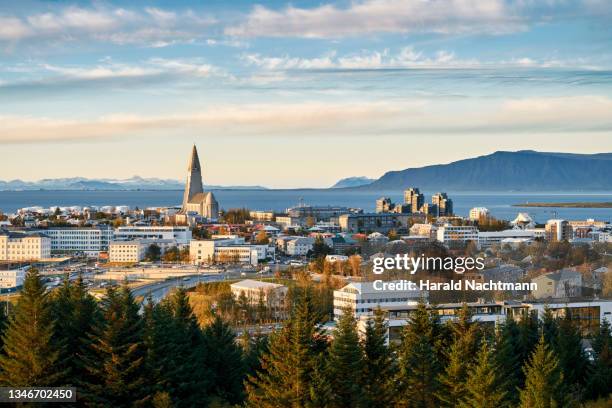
194, 178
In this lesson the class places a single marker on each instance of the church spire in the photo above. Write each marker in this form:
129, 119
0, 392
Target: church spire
193, 185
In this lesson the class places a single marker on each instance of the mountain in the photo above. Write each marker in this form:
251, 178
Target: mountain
352, 182
133, 183
524, 170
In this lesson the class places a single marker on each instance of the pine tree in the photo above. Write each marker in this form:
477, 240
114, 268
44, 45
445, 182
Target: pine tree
418, 365
292, 368
30, 357
599, 377
550, 327
224, 359
507, 360
543, 379
568, 347
460, 358
482, 389
379, 367
116, 364
346, 363
528, 333
175, 350
76, 314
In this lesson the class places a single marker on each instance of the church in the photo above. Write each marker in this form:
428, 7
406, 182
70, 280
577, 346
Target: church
196, 201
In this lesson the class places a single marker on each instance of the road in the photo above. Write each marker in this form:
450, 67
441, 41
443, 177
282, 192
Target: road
159, 290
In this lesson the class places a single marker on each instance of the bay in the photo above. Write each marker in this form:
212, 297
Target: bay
499, 204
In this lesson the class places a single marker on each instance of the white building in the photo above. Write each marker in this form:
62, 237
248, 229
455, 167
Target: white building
523, 221
13, 278
299, 246
272, 294
209, 251
181, 234
90, 241
364, 297
424, 230
127, 251
477, 213
488, 238
450, 234
16, 246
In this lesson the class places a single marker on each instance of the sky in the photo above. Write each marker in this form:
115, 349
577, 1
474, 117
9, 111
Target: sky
296, 94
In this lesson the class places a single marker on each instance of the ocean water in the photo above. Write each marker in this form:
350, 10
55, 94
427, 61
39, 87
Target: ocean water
499, 204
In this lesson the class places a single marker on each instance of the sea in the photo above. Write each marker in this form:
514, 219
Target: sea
500, 204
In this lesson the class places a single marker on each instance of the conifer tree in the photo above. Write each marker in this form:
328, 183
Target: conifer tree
507, 360
292, 368
528, 333
459, 359
600, 372
224, 360
116, 364
550, 325
379, 367
346, 363
30, 357
175, 350
543, 379
76, 314
482, 389
568, 348
418, 365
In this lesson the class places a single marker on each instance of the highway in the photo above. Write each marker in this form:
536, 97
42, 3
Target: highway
159, 290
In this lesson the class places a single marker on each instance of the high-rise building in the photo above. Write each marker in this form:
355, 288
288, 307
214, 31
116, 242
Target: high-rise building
195, 199
444, 205
384, 204
414, 199
558, 230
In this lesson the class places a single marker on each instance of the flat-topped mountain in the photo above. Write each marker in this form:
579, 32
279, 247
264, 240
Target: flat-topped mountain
524, 170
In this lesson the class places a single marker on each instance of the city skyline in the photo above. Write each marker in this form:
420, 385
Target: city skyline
322, 91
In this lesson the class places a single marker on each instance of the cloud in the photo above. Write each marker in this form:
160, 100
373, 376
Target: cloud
148, 27
381, 16
406, 57
41, 75
408, 117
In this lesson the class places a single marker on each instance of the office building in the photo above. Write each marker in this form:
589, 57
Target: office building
451, 235
18, 246
127, 251
362, 298
89, 241
181, 234
210, 251
372, 222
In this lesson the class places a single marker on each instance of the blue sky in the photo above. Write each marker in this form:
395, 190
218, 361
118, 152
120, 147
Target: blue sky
297, 94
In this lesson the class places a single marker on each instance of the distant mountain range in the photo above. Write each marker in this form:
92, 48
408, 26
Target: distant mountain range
352, 182
133, 183
524, 170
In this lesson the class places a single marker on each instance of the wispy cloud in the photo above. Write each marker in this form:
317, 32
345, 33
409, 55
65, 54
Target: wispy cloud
561, 114
149, 26
406, 57
381, 16
44, 74
367, 17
